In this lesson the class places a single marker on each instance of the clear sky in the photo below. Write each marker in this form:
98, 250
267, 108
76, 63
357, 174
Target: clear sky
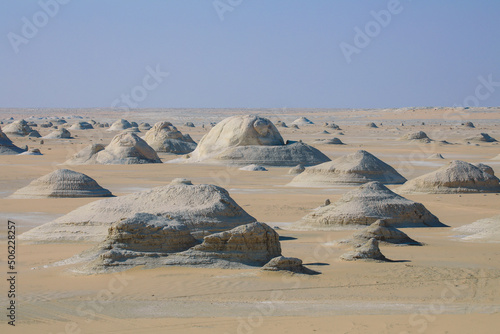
262, 53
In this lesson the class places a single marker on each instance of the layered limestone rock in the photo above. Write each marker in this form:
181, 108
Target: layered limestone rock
244, 140
125, 148
62, 183
203, 208
453, 178
164, 137
355, 168
367, 204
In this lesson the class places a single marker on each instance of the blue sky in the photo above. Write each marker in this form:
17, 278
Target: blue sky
264, 53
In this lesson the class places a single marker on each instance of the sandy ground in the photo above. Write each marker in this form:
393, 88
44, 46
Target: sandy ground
446, 286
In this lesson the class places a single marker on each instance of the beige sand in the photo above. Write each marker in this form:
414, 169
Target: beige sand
447, 285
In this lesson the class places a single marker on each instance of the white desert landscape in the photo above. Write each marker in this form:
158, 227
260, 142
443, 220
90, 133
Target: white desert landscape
249, 167
231, 221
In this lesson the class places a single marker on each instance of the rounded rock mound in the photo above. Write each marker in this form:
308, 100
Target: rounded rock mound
62, 183
367, 204
368, 251
330, 141
253, 244
18, 128
164, 137
356, 168
120, 125
244, 140
381, 231
420, 136
7, 147
481, 138
454, 178
302, 121
125, 148
203, 208
61, 133
81, 126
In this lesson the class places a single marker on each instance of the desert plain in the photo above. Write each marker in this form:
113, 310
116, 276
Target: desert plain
450, 284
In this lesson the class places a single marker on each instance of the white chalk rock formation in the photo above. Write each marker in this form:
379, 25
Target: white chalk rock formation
203, 208
291, 264
419, 136
7, 147
302, 121
355, 168
18, 128
81, 126
32, 151
369, 251
367, 204
164, 137
384, 233
481, 138
62, 183
252, 244
453, 178
125, 148
143, 239
436, 156
120, 125
330, 141
61, 133
244, 140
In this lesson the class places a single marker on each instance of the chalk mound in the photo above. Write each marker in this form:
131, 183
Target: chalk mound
46, 125
367, 204
189, 124
61, 133
125, 148
456, 177
330, 141
32, 151
354, 168
253, 168
34, 134
469, 125
483, 230
481, 138
164, 137
81, 126
143, 239
62, 183
382, 232
371, 125
281, 124
420, 136
302, 121
7, 147
252, 244
369, 251
145, 126
485, 168
436, 156
202, 208
496, 158
296, 170
332, 126
291, 264
18, 128
120, 125
244, 140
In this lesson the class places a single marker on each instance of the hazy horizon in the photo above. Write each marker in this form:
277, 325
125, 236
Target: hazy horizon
249, 54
